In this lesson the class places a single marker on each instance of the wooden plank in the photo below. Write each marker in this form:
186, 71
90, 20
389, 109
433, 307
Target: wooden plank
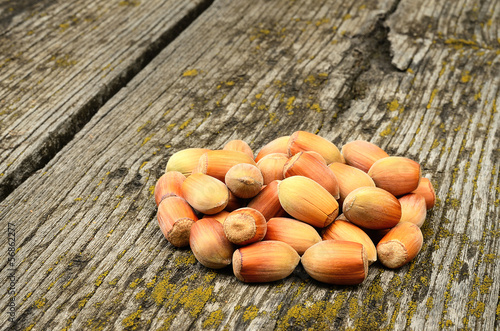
89, 248
460, 42
419, 25
59, 62
95, 244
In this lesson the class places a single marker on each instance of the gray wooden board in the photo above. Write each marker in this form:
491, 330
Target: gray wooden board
418, 25
90, 253
60, 61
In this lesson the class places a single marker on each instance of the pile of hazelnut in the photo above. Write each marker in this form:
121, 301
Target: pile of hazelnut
265, 215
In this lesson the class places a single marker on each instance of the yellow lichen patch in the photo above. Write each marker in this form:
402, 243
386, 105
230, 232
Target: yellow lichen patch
320, 314
101, 277
133, 320
395, 286
275, 313
393, 105
412, 308
185, 259
353, 307
387, 131
250, 313
82, 303
465, 77
162, 290
29, 327
129, 3
300, 288
395, 314
490, 258
486, 284
27, 296
63, 61
443, 68
310, 79
119, 256
166, 323
148, 138
433, 95
209, 276
214, 319
195, 300
40, 302
372, 319
63, 26
453, 274
190, 73
429, 303
140, 295
452, 41
142, 126
135, 283
69, 321
322, 21
316, 107
186, 123
478, 311
273, 119
151, 283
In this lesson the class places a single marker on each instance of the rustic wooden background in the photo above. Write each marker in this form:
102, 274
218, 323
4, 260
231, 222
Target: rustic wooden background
95, 96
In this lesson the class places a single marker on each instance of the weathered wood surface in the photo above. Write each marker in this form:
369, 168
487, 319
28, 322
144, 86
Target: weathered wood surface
418, 26
60, 61
90, 253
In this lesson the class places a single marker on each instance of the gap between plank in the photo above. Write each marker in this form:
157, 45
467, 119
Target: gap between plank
65, 132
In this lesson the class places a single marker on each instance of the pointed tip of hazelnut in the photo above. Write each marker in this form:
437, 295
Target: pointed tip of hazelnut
244, 180
348, 203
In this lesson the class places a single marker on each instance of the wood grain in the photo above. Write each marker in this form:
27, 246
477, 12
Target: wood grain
91, 254
418, 26
60, 61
